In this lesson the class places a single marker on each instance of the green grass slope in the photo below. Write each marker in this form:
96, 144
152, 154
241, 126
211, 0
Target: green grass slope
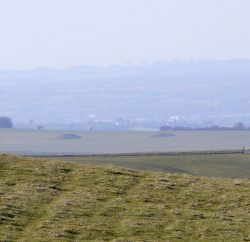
42, 200
213, 165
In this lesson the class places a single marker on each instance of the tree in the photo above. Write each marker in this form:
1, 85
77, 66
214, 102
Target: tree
5, 122
239, 126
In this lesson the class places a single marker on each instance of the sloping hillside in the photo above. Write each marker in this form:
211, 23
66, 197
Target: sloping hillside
57, 201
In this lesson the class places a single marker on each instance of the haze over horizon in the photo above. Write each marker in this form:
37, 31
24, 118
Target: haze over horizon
198, 92
64, 33
107, 64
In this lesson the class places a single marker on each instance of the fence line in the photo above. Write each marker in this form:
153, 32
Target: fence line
74, 154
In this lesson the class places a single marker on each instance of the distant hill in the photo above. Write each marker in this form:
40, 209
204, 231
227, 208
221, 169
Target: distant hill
43, 200
210, 90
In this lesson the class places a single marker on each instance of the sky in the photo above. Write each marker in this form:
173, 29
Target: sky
63, 33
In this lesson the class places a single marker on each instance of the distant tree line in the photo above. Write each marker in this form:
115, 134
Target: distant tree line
237, 126
6, 122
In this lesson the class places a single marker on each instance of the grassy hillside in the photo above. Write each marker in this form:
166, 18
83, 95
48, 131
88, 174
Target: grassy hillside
43, 200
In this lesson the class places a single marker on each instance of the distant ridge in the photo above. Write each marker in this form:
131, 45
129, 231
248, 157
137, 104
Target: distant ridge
212, 91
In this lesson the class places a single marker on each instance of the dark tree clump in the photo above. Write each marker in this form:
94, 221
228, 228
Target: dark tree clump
5, 122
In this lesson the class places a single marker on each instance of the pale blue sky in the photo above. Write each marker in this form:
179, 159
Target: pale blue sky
60, 33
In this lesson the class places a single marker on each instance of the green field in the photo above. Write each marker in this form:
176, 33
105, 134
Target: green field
43, 200
229, 166
120, 142
222, 165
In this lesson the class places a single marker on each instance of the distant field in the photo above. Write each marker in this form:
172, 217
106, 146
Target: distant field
232, 166
43, 200
120, 142
227, 166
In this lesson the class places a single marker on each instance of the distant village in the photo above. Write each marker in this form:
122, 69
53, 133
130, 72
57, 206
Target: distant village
123, 125
237, 127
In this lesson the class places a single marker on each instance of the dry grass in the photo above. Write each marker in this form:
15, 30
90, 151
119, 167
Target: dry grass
43, 200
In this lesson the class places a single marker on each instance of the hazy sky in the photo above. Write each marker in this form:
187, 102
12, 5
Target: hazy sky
59, 33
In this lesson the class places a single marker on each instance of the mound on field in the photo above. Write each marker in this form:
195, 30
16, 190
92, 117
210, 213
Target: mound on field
162, 135
43, 200
69, 136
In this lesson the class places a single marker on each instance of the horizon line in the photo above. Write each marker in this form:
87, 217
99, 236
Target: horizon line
125, 64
